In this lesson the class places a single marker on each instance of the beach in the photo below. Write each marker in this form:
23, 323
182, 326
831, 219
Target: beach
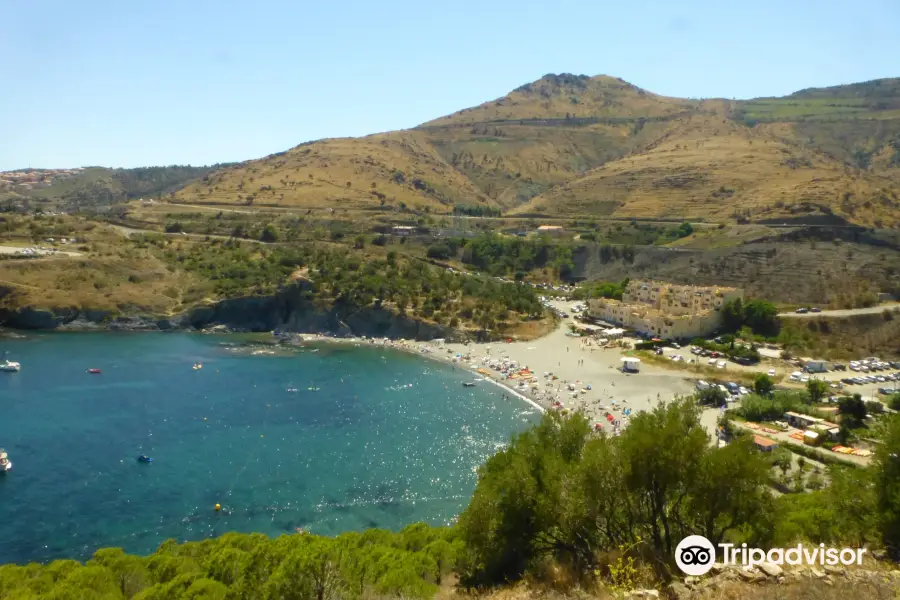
560, 371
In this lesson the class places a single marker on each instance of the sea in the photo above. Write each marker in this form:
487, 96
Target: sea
325, 438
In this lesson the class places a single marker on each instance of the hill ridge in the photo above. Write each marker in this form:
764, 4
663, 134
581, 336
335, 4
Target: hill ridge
576, 145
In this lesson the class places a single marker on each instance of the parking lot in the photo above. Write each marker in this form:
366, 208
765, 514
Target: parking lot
873, 379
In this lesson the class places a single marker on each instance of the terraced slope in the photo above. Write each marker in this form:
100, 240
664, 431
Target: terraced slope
707, 166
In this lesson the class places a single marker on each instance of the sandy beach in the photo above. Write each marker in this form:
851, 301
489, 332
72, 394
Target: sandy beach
568, 373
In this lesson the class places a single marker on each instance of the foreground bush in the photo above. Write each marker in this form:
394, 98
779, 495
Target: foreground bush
563, 494
352, 565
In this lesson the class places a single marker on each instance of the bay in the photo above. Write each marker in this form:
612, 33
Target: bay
372, 437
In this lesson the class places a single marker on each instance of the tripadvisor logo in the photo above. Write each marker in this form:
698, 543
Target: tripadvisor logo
695, 555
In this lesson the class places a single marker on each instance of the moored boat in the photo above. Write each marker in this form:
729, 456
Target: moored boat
94, 371
144, 459
10, 366
5, 463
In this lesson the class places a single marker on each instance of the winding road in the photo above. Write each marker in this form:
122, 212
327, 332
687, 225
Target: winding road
848, 312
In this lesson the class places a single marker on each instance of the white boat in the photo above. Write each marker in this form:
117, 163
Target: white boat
10, 366
5, 463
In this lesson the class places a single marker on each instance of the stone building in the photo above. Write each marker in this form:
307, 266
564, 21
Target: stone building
666, 310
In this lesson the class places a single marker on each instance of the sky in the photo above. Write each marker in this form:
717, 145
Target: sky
127, 84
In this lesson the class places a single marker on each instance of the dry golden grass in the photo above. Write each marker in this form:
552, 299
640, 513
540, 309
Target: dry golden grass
379, 170
710, 167
578, 146
556, 96
111, 275
114, 283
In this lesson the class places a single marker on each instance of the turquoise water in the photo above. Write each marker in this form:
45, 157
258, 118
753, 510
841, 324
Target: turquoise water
387, 440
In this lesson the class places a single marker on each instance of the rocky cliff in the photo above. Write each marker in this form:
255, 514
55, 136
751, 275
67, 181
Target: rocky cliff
289, 310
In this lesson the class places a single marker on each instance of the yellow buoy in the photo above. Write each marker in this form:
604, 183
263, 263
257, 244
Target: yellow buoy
218, 507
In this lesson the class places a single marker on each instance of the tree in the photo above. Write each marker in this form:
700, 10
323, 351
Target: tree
661, 457
782, 459
439, 251
894, 402
887, 484
733, 314
730, 489
513, 512
816, 388
761, 317
852, 410
815, 482
763, 384
269, 234
712, 396
874, 407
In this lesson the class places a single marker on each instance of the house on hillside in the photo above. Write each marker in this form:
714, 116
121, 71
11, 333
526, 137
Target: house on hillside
402, 230
554, 230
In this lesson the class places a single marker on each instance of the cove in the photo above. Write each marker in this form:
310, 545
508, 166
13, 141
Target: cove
369, 437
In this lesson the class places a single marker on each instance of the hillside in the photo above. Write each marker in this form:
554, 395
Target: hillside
572, 145
91, 186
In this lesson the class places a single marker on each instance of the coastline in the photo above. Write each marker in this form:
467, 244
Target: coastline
585, 377
423, 350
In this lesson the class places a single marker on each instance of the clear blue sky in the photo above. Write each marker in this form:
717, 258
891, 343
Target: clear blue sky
131, 83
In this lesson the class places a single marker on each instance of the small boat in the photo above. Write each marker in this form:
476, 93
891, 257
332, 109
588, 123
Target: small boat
198, 366
145, 459
94, 371
10, 366
5, 463
469, 384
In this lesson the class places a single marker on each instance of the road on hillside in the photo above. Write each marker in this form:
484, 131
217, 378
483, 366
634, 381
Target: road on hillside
848, 312
129, 231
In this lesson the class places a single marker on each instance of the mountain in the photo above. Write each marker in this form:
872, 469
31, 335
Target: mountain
92, 187
573, 145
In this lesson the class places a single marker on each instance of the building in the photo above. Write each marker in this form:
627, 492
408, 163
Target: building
402, 230
764, 444
665, 310
810, 424
554, 230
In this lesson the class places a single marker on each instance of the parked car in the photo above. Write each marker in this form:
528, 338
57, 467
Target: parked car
815, 309
802, 311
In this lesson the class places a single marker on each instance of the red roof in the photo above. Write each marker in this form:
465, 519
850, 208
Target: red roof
763, 442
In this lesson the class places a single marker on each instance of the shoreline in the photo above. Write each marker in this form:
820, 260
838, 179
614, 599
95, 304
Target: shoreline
586, 377
407, 347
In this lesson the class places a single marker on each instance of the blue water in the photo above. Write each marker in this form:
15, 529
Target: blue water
387, 440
